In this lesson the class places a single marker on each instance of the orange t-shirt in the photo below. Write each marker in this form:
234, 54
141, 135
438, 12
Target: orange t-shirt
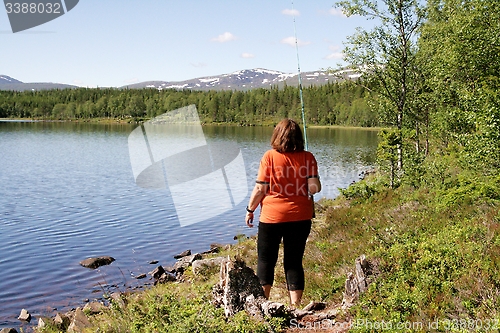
287, 198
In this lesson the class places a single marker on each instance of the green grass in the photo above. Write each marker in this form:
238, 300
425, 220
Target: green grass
174, 307
434, 252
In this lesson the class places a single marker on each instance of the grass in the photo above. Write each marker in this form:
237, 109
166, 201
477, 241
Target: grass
434, 252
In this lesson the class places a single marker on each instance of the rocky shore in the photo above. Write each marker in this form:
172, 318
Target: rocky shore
238, 289
76, 319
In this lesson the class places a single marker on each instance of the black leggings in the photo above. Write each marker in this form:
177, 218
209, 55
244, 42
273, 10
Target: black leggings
294, 235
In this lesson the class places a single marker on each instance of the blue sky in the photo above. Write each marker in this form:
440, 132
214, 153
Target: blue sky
109, 43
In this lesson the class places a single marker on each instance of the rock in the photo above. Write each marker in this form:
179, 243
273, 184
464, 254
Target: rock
79, 322
8, 330
237, 282
97, 262
118, 299
25, 315
153, 262
62, 321
200, 265
166, 277
45, 321
93, 308
170, 269
185, 262
183, 254
214, 248
157, 272
141, 276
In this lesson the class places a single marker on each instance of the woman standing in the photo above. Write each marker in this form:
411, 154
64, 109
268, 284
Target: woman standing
287, 179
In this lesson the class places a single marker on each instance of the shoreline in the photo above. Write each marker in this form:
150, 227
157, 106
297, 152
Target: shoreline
135, 285
131, 121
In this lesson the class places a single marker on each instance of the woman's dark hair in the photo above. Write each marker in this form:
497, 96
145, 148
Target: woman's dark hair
287, 136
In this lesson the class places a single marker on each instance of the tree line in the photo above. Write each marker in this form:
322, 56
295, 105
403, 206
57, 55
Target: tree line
329, 104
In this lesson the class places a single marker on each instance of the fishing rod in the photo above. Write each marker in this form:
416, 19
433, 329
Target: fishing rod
300, 79
301, 99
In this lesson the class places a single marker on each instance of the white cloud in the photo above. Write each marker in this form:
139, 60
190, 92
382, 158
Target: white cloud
290, 12
247, 55
335, 53
225, 37
291, 41
337, 12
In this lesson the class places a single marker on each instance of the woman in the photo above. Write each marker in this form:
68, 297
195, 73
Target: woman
287, 179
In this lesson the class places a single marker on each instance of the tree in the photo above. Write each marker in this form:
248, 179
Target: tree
386, 55
460, 43
387, 149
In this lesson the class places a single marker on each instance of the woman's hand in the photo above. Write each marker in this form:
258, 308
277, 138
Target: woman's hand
313, 185
259, 191
249, 219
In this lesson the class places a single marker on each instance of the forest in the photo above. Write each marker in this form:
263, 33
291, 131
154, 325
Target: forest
330, 104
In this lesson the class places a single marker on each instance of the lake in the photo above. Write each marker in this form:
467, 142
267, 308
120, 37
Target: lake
68, 192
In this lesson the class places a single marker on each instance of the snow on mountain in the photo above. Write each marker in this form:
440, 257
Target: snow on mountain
244, 80
4, 79
239, 80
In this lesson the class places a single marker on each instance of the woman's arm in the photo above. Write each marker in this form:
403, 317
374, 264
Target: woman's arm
258, 193
313, 185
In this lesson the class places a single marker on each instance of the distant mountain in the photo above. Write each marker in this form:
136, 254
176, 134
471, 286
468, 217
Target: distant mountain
248, 79
4, 79
9, 83
241, 80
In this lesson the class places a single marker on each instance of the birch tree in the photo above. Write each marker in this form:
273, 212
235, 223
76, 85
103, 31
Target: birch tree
386, 56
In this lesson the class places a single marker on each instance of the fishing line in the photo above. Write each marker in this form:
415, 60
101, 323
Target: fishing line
301, 98
300, 79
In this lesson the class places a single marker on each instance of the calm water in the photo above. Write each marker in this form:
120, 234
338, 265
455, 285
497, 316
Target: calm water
68, 192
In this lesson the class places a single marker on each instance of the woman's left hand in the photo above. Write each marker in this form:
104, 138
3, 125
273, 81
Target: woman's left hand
249, 219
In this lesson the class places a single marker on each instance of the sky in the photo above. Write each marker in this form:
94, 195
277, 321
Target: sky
112, 43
